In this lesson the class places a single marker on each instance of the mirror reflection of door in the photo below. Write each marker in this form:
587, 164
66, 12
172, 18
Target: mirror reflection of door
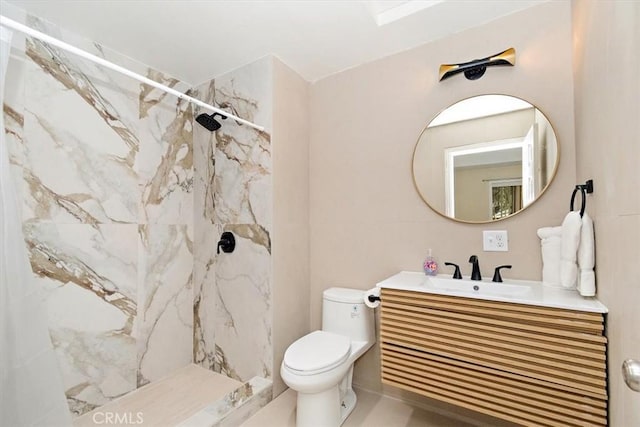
485, 158
529, 146
477, 174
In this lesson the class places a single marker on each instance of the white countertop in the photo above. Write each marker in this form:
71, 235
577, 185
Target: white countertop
533, 293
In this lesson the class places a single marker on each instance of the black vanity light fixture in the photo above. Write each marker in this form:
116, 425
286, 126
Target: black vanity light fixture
475, 69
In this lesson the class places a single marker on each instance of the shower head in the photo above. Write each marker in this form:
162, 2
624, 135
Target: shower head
209, 122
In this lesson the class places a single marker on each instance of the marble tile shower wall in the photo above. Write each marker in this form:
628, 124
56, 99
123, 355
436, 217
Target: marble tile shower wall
233, 292
105, 168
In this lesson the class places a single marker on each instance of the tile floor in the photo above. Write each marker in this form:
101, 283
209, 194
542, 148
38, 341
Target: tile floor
372, 410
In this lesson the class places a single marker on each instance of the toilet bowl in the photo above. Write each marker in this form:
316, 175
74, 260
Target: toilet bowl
319, 366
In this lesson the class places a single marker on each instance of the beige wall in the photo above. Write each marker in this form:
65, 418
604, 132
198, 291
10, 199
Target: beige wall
367, 221
607, 101
290, 154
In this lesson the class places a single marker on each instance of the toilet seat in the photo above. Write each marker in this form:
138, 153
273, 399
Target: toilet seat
317, 352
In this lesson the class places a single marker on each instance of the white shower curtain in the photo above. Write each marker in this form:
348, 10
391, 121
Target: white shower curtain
31, 391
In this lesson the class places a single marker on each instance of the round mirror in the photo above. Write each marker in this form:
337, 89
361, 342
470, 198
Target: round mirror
485, 158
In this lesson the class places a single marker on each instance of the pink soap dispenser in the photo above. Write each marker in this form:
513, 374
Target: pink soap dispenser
430, 265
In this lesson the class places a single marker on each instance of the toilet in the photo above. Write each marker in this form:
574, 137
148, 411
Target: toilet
319, 366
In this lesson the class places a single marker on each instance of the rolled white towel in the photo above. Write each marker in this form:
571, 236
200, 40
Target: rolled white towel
569, 249
586, 258
550, 245
587, 283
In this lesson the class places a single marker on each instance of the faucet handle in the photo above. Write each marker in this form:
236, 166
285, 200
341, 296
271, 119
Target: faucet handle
456, 273
496, 275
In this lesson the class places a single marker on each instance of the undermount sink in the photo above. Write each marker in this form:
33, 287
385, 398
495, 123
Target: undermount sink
476, 287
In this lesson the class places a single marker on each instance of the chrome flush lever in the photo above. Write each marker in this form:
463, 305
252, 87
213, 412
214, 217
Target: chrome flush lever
631, 374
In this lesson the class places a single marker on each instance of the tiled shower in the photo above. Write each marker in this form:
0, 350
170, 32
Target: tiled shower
124, 198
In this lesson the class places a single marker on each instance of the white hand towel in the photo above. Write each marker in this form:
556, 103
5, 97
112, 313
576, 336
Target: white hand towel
586, 258
569, 249
550, 244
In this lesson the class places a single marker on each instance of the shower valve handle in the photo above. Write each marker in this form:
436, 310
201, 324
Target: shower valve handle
227, 242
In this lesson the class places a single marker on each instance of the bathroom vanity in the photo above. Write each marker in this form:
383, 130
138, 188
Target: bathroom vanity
518, 351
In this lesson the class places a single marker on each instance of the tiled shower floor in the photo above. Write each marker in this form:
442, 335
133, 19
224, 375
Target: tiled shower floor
166, 402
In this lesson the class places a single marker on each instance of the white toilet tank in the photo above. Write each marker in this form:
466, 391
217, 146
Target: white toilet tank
344, 313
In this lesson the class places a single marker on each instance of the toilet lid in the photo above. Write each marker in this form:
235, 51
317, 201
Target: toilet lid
317, 352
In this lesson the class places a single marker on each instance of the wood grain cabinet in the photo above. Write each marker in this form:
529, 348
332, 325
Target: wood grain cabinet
531, 365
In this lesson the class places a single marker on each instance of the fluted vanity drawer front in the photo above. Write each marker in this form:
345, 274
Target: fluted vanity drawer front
551, 361
589, 323
515, 398
587, 374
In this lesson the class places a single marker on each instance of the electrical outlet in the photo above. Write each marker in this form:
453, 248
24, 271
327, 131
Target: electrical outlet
495, 241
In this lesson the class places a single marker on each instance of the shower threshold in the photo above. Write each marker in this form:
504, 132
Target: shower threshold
190, 397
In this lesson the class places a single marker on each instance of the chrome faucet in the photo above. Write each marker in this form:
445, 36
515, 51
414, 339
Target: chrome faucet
475, 272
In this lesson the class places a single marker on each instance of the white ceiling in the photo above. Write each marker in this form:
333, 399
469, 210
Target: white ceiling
196, 40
